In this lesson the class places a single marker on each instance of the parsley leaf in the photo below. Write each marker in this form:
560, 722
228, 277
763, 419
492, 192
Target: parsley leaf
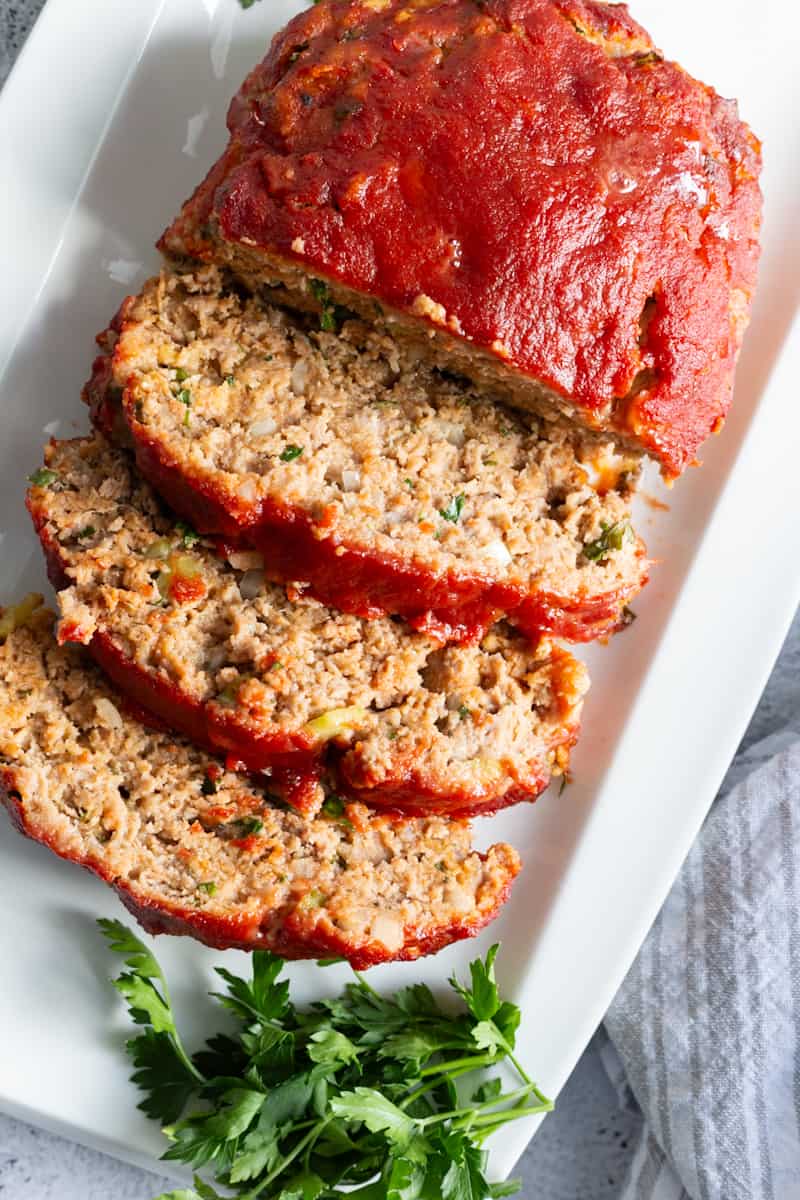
290, 453
264, 997
354, 1096
162, 1075
369, 1107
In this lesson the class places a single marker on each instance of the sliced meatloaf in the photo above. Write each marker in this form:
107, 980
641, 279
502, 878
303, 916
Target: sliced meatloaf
194, 849
526, 187
287, 685
384, 485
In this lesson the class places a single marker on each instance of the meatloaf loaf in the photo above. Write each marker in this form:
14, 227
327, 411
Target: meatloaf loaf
528, 187
385, 485
192, 848
383, 712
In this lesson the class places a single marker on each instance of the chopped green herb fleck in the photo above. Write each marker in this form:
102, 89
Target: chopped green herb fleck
88, 532
290, 453
320, 291
187, 535
43, 477
275, 666
464, 712
409, 484
313, 899
453, 510
180, 374
611, 538
185, 397
331, 314
230, 694
391, 734
334, 807
230, 380
246, 826
209, 786
209, 887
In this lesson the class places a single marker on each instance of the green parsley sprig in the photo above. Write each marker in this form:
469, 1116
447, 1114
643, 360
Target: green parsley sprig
366, 1092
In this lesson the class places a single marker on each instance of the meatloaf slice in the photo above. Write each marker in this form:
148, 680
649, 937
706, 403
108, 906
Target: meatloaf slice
289, 685
194, 849
385, 485
527, 187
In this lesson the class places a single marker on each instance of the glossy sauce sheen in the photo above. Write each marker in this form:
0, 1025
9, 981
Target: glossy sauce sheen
528, 174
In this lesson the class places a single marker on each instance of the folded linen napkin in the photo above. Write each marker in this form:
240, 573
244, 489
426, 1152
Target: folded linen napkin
707, 1023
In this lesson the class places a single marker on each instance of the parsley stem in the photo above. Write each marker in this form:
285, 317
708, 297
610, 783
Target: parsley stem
489, 1122
472, 1109
309, 1139
458, 1067
472, 1061
174, 1036
367, 987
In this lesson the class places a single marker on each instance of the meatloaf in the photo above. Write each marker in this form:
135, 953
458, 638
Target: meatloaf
194, 849
526, 187
386, 486
384, 713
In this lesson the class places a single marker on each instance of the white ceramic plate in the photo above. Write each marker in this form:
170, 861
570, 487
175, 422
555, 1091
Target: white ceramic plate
111, 116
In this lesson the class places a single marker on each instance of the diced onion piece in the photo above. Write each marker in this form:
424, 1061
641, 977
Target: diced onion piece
160, 548
19, 614
299, 377
388, 931
396, 517
498, 551
351, 481
489, 770
247, 490
108, 713
251, 584
335, 722
263, 428
246, 560
451, 431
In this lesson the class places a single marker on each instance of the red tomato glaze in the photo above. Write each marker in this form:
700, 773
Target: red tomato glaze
530, 175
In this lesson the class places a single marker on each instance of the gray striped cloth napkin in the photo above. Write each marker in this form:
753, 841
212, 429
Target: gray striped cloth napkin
706, 1027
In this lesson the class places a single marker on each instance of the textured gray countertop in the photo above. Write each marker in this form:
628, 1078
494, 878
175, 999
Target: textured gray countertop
582, 1150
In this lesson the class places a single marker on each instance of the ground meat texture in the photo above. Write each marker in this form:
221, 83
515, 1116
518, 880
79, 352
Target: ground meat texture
385, 485
287, 685
527, 183
192, 848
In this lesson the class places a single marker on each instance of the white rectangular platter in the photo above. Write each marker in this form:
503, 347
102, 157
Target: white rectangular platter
111, 116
